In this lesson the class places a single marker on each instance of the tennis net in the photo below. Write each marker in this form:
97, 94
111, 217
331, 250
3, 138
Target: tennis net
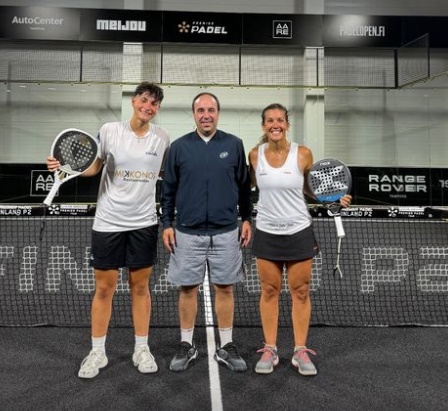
393, 259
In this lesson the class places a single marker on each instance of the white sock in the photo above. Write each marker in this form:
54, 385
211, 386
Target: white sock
187, 335
140, 341
225, 335
99, 344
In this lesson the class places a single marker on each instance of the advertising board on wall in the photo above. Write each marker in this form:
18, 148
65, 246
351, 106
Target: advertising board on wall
30, 183
121, 25
39, 23
307, 30
196, 27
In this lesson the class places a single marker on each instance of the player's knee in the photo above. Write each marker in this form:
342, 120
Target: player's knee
269, 291
301, 293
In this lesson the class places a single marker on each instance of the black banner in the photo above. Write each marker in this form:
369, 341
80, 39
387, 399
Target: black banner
298, 30
382, 186
435, 27
400, 186
308, 30
39, 23
196, 27
30, 183
361, 31
121, 25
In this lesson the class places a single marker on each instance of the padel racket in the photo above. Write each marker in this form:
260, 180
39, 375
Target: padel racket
329, 180
76, 151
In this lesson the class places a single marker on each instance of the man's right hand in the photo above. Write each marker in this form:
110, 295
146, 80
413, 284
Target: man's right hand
169, 239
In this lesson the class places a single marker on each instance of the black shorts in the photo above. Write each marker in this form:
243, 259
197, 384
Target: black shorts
291, 247
132, 249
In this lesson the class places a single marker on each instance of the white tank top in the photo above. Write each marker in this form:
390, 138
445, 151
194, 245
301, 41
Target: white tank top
282, 208
126, 196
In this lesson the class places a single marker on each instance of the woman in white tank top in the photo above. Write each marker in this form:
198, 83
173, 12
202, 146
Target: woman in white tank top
284, 236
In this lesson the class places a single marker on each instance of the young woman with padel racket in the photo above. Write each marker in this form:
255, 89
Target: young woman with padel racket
284, 235
125, 229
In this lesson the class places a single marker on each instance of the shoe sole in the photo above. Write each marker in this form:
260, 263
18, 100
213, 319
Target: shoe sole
191, 359
102, 365
303, 372
150, 371
227, 364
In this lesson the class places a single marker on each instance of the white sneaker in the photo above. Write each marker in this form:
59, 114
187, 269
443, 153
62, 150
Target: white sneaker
90, 367
144, 360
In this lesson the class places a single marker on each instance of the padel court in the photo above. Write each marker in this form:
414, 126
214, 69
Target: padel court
376, 330
367, 90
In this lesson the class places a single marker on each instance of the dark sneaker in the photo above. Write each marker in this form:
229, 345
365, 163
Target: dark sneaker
268, 360
228, 355
183, 357
302, 361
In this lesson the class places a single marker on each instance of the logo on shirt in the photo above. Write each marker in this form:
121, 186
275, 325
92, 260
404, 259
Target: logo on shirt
151, 153
224, 154
128, 175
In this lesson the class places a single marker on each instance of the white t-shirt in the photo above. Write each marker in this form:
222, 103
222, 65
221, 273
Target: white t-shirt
126, 197
282, 208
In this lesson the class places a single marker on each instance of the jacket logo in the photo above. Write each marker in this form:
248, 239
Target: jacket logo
224, 154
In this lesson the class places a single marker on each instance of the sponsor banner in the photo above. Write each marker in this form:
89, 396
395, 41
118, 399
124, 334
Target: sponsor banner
17, 211
30, 183
54, 210
45, 23
121, 25
39, 23
196, 27
41, 183
79, 210
400, 186
372, 186
298, 30
317, 212
396, 212
361, 31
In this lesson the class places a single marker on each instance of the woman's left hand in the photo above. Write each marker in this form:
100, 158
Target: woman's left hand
346, 200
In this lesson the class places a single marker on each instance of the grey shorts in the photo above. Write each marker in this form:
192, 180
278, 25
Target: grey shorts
220, 253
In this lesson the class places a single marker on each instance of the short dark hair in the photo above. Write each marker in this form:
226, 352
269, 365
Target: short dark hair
152, 89
206, 93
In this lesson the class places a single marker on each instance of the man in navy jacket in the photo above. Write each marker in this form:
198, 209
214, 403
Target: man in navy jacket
205, 185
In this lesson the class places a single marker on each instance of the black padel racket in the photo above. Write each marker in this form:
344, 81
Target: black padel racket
329, 180
76, 150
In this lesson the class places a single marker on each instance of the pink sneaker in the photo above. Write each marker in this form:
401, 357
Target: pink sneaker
268, 360
302, 361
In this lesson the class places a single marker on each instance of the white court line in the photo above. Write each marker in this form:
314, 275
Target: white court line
215, 384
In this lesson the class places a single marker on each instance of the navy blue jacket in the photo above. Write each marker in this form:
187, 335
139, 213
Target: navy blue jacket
206, 184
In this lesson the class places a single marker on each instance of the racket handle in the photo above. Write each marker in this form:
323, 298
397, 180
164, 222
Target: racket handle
49, 199
339, 226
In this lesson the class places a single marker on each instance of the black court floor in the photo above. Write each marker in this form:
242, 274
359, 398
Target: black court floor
359, 369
